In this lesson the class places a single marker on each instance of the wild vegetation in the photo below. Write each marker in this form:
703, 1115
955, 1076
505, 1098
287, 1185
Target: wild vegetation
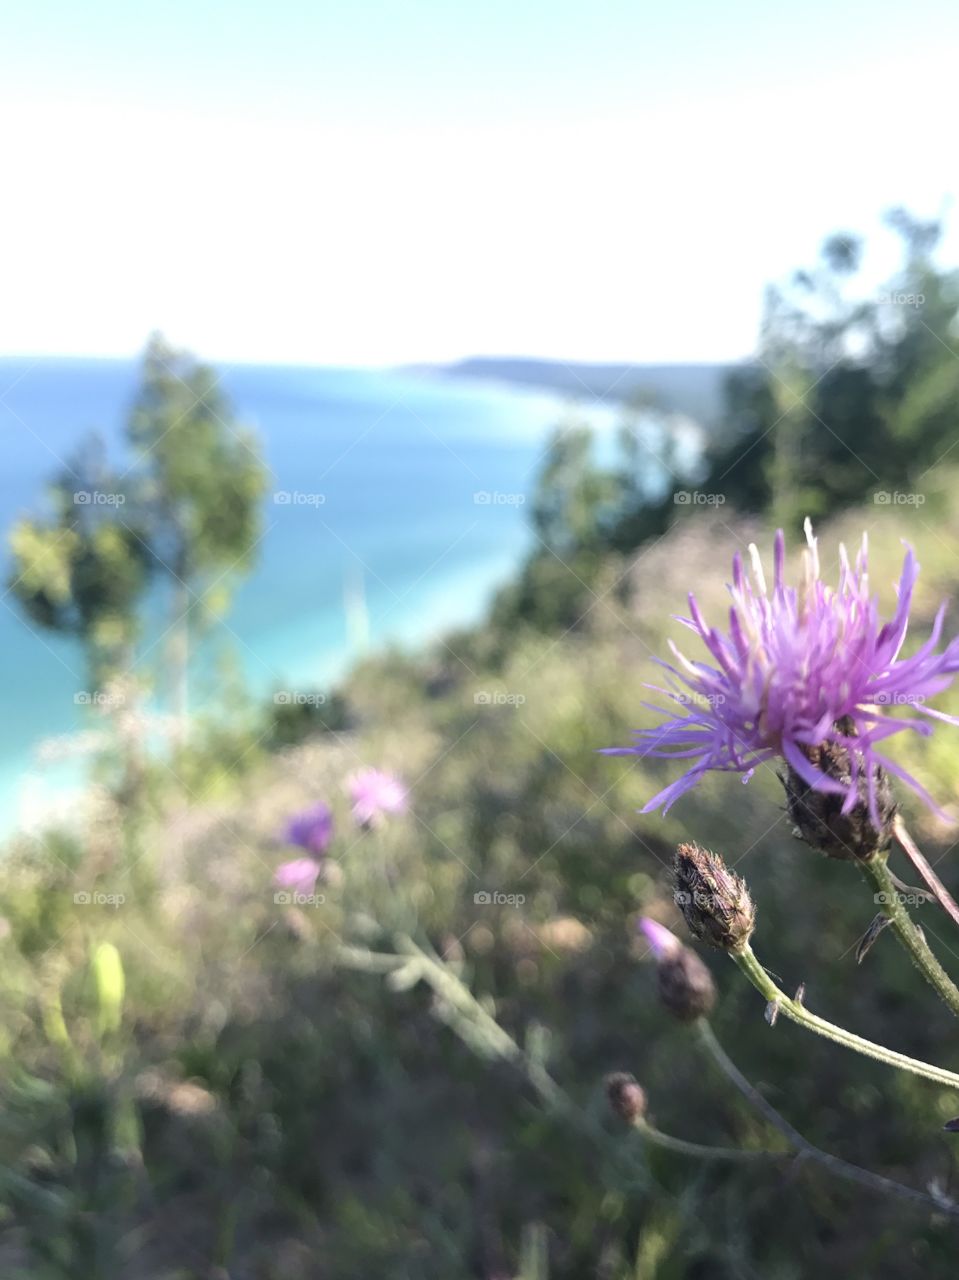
208, 1076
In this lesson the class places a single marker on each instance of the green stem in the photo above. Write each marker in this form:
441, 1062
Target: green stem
889, 899
798, 1013
493, 1039
803, 1147
699, 1151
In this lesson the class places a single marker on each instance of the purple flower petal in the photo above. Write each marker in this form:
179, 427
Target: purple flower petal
376, 793
662, 943
311, 830
798, 668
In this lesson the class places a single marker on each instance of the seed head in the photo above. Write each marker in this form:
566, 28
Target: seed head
841, 823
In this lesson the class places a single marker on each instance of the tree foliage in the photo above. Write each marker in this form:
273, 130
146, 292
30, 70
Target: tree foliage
183, 511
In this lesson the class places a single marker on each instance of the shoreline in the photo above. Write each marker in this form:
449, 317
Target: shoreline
56, 788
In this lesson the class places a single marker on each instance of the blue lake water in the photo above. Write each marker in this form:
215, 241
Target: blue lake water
401, 493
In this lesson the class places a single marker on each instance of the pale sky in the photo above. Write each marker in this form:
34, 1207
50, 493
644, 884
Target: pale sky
374, 183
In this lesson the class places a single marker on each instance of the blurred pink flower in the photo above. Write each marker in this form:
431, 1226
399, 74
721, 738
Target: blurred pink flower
300, 875
375, 793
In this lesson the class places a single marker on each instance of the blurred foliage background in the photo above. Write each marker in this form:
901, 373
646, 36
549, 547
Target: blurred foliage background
194, 1086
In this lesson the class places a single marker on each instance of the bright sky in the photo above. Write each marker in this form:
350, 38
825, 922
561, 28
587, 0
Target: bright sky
374, 182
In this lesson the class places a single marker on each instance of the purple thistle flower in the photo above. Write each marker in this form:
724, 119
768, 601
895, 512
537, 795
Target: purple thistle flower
375, 793
311, 830
300, 875
800, 669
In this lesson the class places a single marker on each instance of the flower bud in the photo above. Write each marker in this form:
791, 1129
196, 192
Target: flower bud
686, 986
818, 815
714, 900
626, 1096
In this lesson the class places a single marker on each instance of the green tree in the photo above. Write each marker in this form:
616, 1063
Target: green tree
199, 480
852, 393
82, 570
184, 513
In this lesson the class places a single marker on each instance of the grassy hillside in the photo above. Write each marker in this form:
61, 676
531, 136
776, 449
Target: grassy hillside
253, 1108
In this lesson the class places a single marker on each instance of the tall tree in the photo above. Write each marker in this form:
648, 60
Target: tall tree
184, 512
199, 480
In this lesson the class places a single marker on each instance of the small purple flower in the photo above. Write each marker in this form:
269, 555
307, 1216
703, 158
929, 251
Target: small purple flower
300, 875
662, 942
798, 669
311, 830
375, 793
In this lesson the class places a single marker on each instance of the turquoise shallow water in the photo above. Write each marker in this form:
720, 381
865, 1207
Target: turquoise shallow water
396, 506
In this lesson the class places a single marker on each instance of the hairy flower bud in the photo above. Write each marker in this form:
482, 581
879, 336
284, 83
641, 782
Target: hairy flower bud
826, 821
714, 900
686, 986
626, 1096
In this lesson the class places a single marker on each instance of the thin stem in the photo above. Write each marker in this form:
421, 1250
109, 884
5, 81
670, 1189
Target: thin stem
841, 1168
748, 1090
487, 1033
893, 908
699, 1151
797, 1012
931, 880
501, 1043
